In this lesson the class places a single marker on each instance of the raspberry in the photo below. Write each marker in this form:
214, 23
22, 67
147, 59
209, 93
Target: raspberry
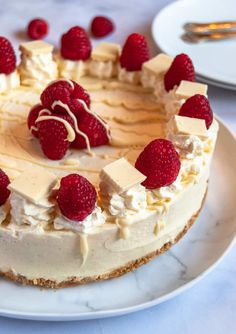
160, 162
76, 197
197, 106
61, 90
37, 28
95, 131
101, 26
53, 137
134, 53
181, 69
7, 56
75, 44
4, 192
79, 93
33, 115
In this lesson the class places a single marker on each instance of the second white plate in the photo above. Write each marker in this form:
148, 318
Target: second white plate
212, 60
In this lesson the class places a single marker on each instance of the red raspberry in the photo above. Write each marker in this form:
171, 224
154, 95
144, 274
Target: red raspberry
101, 26
53, 137
197, 106
181, 69
33, 115
37, 28
95, 131
160, 162
4, 182
75, 44
61, 90
134, 53
7, 56
76, 197
79, 93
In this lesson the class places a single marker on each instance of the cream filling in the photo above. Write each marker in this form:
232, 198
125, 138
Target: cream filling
150, 79
37, 70
72, 69
191, 147
10, 81
25, 212
102, 69
168, 100
59, 255
132, 77
129, 202
95, 219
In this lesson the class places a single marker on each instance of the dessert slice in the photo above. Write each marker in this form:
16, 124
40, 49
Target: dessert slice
37, 67
9, 77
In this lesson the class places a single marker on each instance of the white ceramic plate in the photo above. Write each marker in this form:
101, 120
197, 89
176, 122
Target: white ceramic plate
163, 278
212, 60
215, 83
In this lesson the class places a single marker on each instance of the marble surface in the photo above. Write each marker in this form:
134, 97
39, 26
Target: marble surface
210, 305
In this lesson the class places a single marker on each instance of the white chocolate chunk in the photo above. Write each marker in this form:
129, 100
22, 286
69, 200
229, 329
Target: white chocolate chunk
106, 51
34, 184
121, 175
36, 48
158, 64
189, 126
187, 89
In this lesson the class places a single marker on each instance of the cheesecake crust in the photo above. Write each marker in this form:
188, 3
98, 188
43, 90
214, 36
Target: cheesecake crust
130, 266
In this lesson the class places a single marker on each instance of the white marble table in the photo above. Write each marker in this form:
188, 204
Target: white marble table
209, 307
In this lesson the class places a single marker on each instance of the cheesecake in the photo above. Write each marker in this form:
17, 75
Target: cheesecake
111, 201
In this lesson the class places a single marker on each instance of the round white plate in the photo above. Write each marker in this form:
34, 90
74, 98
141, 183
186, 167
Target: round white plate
215, 83
212, 60
163, 278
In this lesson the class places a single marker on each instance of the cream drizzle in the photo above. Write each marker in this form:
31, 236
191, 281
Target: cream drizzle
122, 224
158, 227
34, 128
70, 113
84, 247
70, 130
106, 126
59, 167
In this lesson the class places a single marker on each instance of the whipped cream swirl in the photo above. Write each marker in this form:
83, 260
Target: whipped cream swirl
95, 219
102, 69
132, 77
37, 70
25, 212
129, 202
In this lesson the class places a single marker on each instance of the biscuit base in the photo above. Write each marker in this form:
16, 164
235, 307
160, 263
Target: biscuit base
130, 266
